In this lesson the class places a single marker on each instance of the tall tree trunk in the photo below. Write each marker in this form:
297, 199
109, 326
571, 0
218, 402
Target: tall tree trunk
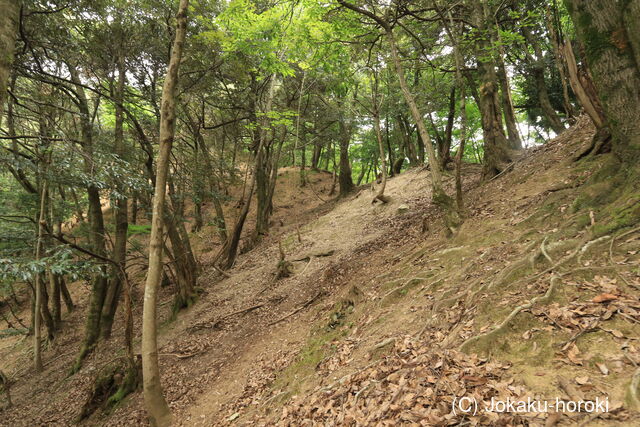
436, 174
445, 148
496, 146
505, 90
262, 172
9, 19
303, 159
556, 44
405, 132
538, 66
507, 105
610, 31
213, 184
230, 250
263, 165
375, 113
47, 317
66, 296
344, 178
157, 408
583, 87
37, 357
96, 223
116, 278
56, 305
184, 262
454, 36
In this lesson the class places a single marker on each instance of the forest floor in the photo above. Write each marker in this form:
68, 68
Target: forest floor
385, 320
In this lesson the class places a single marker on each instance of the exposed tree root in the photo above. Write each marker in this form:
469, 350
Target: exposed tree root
633, 389
299, 309
413, 280
502, 326
221, 271
4, 382
587, 245
219, 320
317, 255
580, 333
531, 258
544, 250
382, 198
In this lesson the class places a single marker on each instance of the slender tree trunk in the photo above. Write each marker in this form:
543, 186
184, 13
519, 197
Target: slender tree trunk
363, 170
344, 178
116, 278
263, 166
183, 260
54, 283
538, 68
96, 222
454, 35
44, 307
375, 113
296, 141
436, 174
445, 148
507, 105
303, 159
56, 306
560, 64
220, 221
409, 148
134, 209
66, 296
157, 408
230, 250
37, 357
582, 86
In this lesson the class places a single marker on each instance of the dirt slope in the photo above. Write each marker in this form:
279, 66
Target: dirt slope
369, 327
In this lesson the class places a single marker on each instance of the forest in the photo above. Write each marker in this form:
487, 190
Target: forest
332, 213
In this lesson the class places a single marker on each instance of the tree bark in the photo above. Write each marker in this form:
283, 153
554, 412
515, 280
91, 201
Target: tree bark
157, 408
507, 106
538, 66
582, 86
375, 113
610, 31
96, 223
9, 19
560, 64
496, 146
450, 28
344, 178
37, 357
445, 148
116, 278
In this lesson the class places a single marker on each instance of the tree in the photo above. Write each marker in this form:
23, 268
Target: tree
439, 196
157, 407
8, 31
609, 31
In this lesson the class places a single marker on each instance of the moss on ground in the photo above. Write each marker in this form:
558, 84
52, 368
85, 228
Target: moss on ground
318, 347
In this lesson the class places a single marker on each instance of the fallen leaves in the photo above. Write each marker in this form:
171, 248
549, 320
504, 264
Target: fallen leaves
413, 384
604, 298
